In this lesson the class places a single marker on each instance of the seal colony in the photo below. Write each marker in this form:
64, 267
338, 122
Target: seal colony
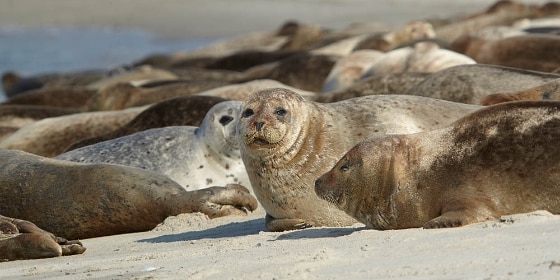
500, 160
287, 142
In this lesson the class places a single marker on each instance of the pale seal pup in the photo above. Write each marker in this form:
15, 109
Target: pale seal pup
195, 157
23, 240
287, 142
422, 57
347, 70
500, 160
79, 201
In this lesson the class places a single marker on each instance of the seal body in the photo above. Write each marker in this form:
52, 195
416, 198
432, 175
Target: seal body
195, 157
79, 201
50, 136
500, 160
547, 91
287, 142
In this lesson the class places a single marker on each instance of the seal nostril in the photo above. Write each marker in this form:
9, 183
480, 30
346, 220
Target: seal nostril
318, 182
259, 125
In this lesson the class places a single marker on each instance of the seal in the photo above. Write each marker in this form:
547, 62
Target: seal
287, 142
20, 115
469, 83
124, 95
67, 97
195, 157
49, 137
537, 52
23, 240
423, 56
394, 83
499, 160
547, 91
14, 83
349, 69
184, 110
89, 200
241, 91
306, 71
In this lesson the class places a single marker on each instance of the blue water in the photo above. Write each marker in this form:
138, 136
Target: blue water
59, 49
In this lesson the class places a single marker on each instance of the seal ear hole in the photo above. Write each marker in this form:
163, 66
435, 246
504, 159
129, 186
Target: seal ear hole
247, 113
224, 120
345, 167
280, 111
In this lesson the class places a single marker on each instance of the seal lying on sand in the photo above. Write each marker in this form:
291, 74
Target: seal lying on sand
23, 240
88, 200
548, 91
195, 157
500, 160
287, 142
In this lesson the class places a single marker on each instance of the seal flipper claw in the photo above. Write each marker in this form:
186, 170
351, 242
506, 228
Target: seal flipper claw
217, 202
273, 224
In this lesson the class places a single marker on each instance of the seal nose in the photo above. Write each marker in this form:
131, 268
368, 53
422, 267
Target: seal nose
317, 183
259, 125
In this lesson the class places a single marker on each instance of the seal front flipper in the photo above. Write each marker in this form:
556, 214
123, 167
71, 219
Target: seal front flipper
233, 199
273, 224
457, 218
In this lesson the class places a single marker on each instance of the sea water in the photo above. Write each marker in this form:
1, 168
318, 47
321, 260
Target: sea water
31, 51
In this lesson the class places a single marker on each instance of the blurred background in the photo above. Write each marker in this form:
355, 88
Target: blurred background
38, 36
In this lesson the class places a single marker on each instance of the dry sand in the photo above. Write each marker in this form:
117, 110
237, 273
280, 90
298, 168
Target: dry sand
524, 246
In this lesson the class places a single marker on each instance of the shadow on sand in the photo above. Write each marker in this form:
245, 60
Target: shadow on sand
251, 227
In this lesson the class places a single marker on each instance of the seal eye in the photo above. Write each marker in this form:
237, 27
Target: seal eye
280, 111
247, 113
344, 167
224, 120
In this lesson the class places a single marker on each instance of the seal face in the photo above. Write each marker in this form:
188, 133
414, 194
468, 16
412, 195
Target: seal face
499, 160
287, 142
195, 157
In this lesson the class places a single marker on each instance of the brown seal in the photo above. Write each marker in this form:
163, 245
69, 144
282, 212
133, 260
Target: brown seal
393, 83
499, 160
538, 52
548, 91
470, 83
49, 137
14, 83
23, 240
66, 97
88, 200
124, 95
287, 142
185, 110
306, 71
19, 115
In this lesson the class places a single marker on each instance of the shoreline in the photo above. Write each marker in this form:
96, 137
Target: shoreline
222, 18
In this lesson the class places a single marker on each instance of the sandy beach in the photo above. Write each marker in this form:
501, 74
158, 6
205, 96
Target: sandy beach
190, 246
